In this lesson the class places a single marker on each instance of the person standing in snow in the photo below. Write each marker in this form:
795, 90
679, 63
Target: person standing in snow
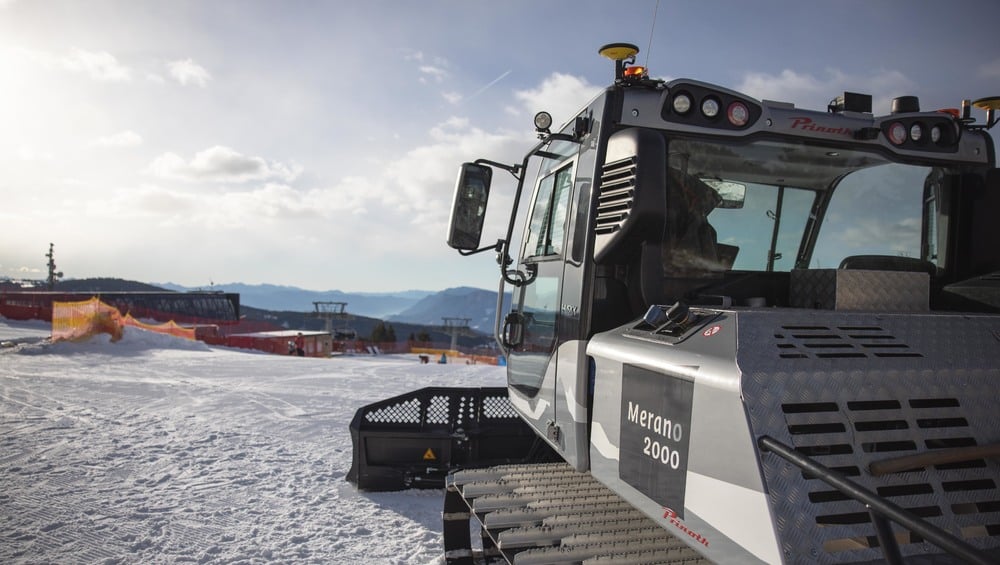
300, 345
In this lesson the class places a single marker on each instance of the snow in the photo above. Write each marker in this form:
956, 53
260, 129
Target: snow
156, 449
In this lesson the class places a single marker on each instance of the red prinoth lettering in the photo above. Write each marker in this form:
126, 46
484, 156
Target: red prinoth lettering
675, 522
807, 124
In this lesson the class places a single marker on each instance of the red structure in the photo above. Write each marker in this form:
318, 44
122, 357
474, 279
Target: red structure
317, 344
180, 307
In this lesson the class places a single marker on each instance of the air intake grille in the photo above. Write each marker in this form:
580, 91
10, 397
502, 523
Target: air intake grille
845, 435
841, 342
617, 194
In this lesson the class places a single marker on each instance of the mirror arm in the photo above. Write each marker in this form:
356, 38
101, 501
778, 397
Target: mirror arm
562, 137
514, 170
498, 246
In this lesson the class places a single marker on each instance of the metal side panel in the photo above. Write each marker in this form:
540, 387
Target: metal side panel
671, 436
855, 389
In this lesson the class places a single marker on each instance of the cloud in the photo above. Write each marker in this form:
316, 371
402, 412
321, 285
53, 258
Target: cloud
31, 154
98, 65
221, 164
188, 72
437, 74
898, 236
127, 138
990, 69
811, 91
560, 94
101, 66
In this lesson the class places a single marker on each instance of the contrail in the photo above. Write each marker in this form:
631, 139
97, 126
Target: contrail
488, 85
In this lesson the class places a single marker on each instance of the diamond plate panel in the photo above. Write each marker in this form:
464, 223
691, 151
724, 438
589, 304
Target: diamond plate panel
855, 407
843, 289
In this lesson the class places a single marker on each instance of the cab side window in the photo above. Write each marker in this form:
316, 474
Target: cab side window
547, 227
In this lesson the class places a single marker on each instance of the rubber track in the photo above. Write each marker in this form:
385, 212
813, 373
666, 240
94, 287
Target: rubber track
548, 513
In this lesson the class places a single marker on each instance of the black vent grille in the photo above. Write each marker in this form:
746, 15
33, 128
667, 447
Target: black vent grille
840, 342
847, 436
614, 203
444, 409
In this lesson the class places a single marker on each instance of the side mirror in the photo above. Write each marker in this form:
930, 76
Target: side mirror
732, 194
468, 210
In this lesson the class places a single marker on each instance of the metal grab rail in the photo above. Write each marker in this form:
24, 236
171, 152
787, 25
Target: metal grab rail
879, 508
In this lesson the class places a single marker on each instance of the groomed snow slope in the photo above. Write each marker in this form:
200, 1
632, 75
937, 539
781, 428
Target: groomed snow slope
160, 450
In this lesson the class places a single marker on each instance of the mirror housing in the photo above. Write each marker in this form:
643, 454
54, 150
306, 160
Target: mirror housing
732, 194
468, 209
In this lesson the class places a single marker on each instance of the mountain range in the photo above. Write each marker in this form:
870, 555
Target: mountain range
410, 311
474, 306
292, 299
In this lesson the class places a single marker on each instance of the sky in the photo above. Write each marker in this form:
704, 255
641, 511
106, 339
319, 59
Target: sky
316, 144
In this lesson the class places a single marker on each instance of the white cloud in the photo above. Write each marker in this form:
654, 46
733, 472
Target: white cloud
452, 97
127, 138
898, 236
990, 69
31, 154
560, 95
188, 72
222, 164
101, 65
437, 74
815, 92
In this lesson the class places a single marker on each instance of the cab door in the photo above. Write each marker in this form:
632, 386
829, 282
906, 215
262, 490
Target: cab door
533, 326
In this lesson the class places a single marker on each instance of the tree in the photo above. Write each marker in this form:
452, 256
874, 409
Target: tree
379, 333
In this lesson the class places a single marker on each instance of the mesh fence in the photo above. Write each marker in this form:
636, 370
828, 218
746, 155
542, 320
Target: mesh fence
76, 321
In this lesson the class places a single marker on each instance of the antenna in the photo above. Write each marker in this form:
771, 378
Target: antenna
649, 46
54, 275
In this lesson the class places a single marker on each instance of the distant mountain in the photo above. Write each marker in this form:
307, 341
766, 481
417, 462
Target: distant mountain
105, 285
293, 299
478, 305
409, 311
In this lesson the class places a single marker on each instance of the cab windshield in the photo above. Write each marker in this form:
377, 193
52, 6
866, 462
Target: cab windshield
770, 206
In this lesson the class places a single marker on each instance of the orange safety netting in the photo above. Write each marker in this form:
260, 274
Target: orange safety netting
76, 321
165, 328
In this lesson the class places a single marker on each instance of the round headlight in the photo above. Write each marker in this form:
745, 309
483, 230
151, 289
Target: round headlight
682, 103
897, 133
710, 107
543, 120
936, 134
738, 114
916, 132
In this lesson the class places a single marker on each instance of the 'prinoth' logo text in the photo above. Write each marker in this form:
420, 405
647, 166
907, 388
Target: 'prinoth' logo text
807, 124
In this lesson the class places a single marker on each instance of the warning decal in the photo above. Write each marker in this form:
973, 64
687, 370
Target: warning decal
655, 435
429, 455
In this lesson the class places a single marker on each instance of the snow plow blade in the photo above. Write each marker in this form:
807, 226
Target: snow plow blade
414, 440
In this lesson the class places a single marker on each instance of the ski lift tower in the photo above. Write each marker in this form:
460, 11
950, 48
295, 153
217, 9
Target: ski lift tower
330, 311
456, 326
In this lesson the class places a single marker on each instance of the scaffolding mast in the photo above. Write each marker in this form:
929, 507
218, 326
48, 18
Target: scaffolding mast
456, 326
54, 275
330, 311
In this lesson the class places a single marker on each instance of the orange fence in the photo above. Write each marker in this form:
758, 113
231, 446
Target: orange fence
165, 328
76, 321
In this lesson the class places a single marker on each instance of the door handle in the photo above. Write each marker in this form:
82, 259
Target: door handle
513, 330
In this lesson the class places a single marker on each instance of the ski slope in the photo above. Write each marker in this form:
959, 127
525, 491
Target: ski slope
160, 450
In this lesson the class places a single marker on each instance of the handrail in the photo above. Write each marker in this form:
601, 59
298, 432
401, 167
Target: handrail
879, 507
